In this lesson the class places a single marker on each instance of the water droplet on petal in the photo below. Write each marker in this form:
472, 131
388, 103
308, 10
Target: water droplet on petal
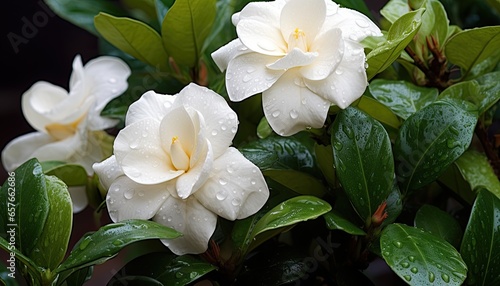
353, 37
234, 129
222, 182
236, 202
247, 78
362, 23
339, 71
267, 46
294, 114
276, 113
214, 132
128, 194
366, 65
112, 80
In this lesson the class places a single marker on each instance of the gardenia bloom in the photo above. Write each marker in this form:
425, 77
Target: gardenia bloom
303, 55
69, 126
173, 163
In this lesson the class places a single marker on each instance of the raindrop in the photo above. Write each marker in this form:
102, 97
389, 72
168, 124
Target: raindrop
337, 145
432, 277
222, 181
222, 195
339, 71
348, 131
439, 266
234, 129
179, 275
303, 101
167, 104
141, 194
411, 258
294, 114
445, 277
134, 144
117, 242
230, 168
414, 270
405, 264
214, 132
353, 37
169, 219
452, 143
247, 78
193, 275
223, 127
252, 182
267, 46
114, 90
85, 243
398, 244
236, 202
366, 65
276, 113
112, 80
407, 278
128, 194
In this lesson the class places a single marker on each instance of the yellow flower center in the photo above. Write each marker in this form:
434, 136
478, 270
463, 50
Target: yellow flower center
63, 131
298, 39
179, 158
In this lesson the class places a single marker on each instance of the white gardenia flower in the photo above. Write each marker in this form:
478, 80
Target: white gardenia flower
173, 163
68, 124
303, 55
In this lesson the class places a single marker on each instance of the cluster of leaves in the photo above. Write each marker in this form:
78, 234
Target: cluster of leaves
407, 175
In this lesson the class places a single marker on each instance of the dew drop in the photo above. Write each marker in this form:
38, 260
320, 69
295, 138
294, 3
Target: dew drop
276, 113
407, 278
141, 194
432, 277
366, 65
223, 127
445, 277
452, 143
405, 264
338, 146
222, 182
234, 129
303, 101
117, 242
252, 182
128, 194
414, 270
348, 131
454, 130
179, 275
114, 90
214, 132
134, 144
398, 244
294, 114
339, 71
362, 23
247, 78
236, 202
222, 195
112, 80
411, 258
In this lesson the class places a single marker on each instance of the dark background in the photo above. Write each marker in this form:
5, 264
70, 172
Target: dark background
52, 43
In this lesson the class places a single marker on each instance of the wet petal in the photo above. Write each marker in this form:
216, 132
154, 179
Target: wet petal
236, 188
261, 37
78, 198
290, 107
308, 16
150, 105
295, 58
226, 53
138, 150
193, 220
108, 171
248, 75
354, 25
21, 149
127, 199
191, 181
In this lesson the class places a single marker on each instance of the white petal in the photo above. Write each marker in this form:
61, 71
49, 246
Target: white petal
150, 105
179, 124
220, 121
236, 189
290, 106
248, 75
107, 171
307, 16
349, 80
193, 220
330, 49
226, 53
61, 150
21, 149
128, 200
138, 150
295, 58
96, 145
78, 198
39, 101
192, 180
354, 25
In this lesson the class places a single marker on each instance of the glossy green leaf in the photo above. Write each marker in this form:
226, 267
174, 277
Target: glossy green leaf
399, 36
441, 22
421, 258
97, 247
334, 220
439, 223
290, 212
25, 205
70, 174
264, 129
363, 158
277, 266
276, 152
79, 277
52, 244
356, 5
394, 205
298, 182
481, 243
133, 37
394, 9
484, 91
166, 268
324, 157
402, 97
430, 140
478, 44
378, 111
223, 30
82, 13
185, 28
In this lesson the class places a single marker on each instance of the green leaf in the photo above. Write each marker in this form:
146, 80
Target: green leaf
25, 205
471, 47
324, 156
481, 243
296, 181
281, 153
439, 223
52, 244
378, 111
334, 220
185, 28
133, 37
394, 9
97, 247
162, 7
429, 141
399, 36
264, 129
4, 275
402, 97
421, 258
363, 158
290, 212
278, 266
441, 22
356, 5
79, 277
70, 174
166, 268
82, 13
484, 91
32, 268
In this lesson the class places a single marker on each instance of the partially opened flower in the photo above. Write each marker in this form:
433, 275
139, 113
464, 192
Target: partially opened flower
173, 163
303, 55
69, 125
